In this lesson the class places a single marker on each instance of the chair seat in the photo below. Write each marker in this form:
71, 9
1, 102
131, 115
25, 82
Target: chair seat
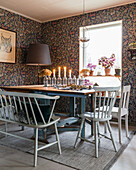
90, 115
115, 111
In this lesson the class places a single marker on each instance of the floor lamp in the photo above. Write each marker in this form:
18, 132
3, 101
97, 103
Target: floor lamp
38, 54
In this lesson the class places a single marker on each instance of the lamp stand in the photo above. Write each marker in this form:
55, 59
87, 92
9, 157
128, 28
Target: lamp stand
38, 74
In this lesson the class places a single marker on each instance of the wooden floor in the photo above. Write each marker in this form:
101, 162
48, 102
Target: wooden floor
127, 161
11, 159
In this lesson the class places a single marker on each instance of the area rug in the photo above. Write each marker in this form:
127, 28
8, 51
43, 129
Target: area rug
82, 158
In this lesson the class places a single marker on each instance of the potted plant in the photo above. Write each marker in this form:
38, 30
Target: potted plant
107, 63
91, 68
117, 71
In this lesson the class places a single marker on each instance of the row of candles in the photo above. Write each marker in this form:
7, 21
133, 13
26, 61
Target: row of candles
59, 72
48, 81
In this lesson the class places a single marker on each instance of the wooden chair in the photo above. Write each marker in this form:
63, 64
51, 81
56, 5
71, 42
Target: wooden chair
122, 110
101, 115
24, 109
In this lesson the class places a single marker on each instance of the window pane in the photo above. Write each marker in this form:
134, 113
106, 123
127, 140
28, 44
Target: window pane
104, 41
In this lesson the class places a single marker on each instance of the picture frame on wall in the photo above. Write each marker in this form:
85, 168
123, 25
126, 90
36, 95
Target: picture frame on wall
7, 46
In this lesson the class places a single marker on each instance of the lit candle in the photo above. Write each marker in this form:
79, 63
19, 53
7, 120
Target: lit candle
70, 73
59, 72
64, 71
53, 72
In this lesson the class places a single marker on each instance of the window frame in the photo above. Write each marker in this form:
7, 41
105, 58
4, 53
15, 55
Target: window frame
82, 49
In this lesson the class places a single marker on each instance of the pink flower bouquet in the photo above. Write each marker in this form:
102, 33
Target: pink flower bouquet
87, 83
91, 67
107, 62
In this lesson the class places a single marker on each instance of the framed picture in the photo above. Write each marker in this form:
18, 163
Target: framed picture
7, 46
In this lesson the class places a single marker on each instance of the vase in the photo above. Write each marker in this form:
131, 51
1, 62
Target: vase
107, 71
117, 72
91, 73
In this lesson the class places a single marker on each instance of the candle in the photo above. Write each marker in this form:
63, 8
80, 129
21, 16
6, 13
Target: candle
64, 71
59, 72
53, 72
70, 73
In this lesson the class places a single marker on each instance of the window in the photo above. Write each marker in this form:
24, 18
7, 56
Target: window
105, 40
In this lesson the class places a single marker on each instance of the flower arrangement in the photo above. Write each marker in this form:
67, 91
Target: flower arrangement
84, 72
91, 67
87, 83
45, 72
107, 62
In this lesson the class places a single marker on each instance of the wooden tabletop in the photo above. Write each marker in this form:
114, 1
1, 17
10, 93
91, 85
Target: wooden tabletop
30, 88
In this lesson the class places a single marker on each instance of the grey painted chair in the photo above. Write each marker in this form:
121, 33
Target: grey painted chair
122, 110
24, 109
100, 116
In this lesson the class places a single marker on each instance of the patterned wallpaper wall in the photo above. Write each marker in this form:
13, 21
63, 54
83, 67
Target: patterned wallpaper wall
62, 38
27, 32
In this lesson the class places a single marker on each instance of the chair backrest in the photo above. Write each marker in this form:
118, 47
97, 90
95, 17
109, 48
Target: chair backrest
26, 108
125, 94
103, 104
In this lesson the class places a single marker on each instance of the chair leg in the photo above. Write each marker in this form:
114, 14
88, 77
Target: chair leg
112, 139
57, 138
126, 125
119, 128
23, 128
105, 128
6, 128
81, 126
35, 147
96, 138
98, 129
92, 127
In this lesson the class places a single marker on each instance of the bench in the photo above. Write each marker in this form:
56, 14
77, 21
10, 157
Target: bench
25, 109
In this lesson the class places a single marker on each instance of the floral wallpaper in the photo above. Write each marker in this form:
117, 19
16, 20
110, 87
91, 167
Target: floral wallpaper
27, 32
62, 38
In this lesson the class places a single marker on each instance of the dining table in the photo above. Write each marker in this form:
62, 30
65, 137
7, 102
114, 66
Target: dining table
52, 91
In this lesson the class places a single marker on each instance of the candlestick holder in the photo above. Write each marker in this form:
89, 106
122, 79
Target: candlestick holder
49, 81
45, 81
59, 81
69, 80
53, 81
74, 80
80, 81
65, 81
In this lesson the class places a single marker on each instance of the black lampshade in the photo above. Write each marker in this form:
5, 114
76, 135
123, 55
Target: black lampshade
38, 54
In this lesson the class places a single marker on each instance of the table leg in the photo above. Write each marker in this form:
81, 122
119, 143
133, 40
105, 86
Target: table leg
92, 109
82, 112
72, 106
92, 104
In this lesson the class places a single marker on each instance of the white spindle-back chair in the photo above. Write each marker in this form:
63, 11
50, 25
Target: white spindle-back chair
24, 109
122, 110
101, 115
